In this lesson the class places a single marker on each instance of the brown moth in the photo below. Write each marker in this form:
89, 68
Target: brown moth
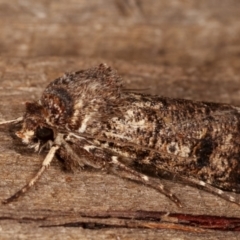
88, 118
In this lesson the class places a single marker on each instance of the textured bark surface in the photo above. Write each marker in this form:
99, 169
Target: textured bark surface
171, 48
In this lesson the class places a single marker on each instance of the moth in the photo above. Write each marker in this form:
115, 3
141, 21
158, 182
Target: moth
87, 118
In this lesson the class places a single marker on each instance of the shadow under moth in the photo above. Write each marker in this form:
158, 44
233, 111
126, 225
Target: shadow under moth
88, 118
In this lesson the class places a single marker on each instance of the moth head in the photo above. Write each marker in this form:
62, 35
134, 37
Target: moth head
35, 131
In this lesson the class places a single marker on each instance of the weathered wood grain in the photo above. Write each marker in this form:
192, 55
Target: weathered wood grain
186, 49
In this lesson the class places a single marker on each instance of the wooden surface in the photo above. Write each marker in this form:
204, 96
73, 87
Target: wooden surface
186, 49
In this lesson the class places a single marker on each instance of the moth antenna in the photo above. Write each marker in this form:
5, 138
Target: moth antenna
17, 120
45, 164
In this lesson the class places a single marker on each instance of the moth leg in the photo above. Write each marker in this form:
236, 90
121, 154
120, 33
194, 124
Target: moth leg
126, 172
122, 170
75, 159
209, 188
46, 145
45, 164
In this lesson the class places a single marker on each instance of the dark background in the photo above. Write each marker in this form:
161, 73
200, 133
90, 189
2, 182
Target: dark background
175, 48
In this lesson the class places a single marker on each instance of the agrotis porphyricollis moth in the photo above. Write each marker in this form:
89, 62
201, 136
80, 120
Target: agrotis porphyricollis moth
88, 118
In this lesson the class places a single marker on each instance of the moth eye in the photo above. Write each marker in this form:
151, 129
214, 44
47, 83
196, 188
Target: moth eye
44, 133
